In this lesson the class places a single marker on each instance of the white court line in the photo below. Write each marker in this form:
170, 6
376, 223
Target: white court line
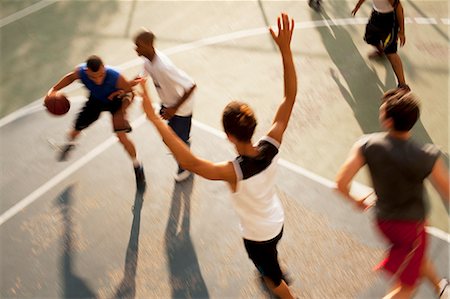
25, 12
425, 20
356, 187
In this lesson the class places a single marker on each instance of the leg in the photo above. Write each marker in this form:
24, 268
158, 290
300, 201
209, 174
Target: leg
282, 290
397, 66
138, 168
127, 144
428, 271
181, 125
401, 292
119, 114
264, 256
89, 114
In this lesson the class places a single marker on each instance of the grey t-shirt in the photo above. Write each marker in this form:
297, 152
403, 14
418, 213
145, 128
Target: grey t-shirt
398, 168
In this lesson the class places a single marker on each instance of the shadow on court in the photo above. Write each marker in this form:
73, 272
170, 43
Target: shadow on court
127, 287
74, 286
186, 279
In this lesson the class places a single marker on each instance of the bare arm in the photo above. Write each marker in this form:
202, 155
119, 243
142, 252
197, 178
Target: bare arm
63, 82
439, 177
401, 23
357, 6
169, 112
355, 161
213, 171
283, 40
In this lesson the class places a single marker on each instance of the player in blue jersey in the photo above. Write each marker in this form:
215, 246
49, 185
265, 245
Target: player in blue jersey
109, 91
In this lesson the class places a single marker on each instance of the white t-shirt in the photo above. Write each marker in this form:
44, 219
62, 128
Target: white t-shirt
170, 82
255, 201
382, 6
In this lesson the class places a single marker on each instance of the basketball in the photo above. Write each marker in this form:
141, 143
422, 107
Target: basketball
57, 105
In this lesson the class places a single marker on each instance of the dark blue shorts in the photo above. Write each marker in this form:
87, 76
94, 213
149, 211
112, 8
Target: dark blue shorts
92, 110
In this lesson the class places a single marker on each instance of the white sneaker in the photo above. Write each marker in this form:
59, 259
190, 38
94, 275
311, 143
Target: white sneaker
181, 176
444, 286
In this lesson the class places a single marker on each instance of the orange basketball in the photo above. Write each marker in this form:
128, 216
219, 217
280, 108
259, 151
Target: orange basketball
57, 105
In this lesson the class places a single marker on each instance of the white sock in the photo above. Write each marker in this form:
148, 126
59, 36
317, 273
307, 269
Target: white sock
136, 163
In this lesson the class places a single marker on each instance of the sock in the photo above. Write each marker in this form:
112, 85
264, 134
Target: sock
136, 163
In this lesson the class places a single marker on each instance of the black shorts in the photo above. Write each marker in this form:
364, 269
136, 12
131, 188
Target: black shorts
264, 255
92, 109
382, 31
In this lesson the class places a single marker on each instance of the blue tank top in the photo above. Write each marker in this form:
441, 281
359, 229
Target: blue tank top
102, 91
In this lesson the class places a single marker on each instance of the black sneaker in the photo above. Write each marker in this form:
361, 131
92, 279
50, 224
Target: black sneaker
65, 151
141, 184
315, 4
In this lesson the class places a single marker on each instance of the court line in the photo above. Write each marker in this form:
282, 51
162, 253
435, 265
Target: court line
212, 41
25, 12
356, 187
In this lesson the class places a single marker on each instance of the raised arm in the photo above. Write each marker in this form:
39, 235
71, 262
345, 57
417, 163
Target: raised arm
283, 40
63, 82
213, 171
357, 6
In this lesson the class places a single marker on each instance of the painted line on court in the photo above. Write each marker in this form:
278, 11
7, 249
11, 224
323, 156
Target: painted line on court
11, 212
212, 41
25, 12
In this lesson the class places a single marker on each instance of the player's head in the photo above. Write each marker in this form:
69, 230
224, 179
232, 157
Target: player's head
144, 43
95, 69
399, 110
239, 121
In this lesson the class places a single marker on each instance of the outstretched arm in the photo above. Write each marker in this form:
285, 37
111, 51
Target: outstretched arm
358, 5
213, 171
283, 40
63, 82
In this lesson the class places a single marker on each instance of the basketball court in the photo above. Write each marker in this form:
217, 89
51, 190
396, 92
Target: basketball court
80, 229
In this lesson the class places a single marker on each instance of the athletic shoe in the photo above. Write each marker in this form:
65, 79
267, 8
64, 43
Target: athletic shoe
314, 4
65, 151
141, 184
181, 175
444, 286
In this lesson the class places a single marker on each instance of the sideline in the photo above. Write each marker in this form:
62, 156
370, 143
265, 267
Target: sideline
25, 12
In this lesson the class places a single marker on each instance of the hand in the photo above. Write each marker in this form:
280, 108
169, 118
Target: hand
402, 38
285, 30
362, 205
136, 81
115, 94
168, 113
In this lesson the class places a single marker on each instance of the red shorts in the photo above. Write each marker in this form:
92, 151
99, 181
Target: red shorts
408, 242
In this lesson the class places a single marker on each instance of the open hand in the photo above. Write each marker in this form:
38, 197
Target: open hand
285, 30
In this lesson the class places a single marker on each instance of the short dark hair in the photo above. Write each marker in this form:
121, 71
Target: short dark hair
239, 120
403, 107
94, 63
144, 35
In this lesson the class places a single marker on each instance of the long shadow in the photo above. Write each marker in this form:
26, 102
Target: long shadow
127, 287
364, 87
73, 285
185, 276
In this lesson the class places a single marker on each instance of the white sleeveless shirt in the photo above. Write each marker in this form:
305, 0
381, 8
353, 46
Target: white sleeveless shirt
382, 6
255, 201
